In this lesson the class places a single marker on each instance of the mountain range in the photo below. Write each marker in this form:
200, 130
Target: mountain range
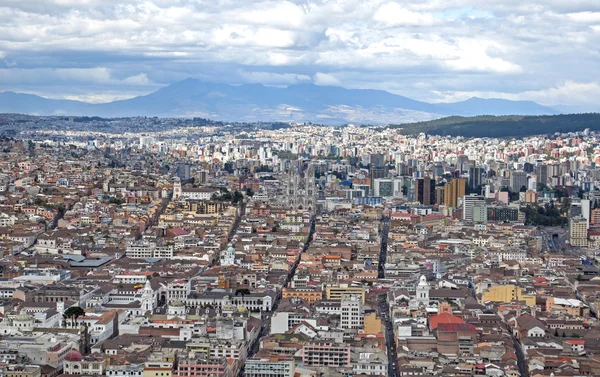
256, 102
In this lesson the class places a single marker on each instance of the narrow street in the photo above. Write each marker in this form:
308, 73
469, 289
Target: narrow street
383, 252
522, 363
383, 304
389, 337
266, 316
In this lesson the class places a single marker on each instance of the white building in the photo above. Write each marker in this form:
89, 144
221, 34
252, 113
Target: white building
352, 312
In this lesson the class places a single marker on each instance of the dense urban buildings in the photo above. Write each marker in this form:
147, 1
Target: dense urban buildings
171, 247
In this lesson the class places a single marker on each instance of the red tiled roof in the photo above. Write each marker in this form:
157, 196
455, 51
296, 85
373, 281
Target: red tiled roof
455, 327
436, 320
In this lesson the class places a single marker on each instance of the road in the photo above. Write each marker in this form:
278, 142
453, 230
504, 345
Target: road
383, 251
266, 316
390, 338
522, 363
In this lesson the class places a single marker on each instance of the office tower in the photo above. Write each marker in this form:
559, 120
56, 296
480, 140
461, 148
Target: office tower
470, 202
376, 173
528, 167
518, 179
586, 210
439, 195
541, 174
453, 190
475, 177
578, 231
384, 187
462, 163
425, 191
438, 170
183, 171
377, 160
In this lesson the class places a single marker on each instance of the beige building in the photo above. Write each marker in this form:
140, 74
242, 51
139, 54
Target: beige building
578, 231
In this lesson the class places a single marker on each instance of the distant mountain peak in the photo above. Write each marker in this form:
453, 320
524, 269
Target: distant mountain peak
250, 102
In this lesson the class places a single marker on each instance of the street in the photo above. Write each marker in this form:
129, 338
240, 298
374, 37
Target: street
266, 316
383, 304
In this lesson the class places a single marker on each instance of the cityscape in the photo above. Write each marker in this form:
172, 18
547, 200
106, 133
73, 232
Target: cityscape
197, 250
299, 188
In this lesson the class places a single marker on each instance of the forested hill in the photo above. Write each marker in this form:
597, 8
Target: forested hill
503, 126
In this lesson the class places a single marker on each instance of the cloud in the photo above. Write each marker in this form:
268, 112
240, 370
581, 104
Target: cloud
585, 17
393, 14
325, 79
97, 48
582, 93
272, 78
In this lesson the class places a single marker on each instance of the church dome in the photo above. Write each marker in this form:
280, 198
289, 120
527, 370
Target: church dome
176, 303
73, 355
423, 281
230, 249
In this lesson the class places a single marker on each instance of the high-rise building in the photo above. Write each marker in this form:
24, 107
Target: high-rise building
377, 160
453, 190
541, 174
376, 173
518, 179
439, 195
470, 202
425, 191
475, 177
462, 163
183, 171
578, 231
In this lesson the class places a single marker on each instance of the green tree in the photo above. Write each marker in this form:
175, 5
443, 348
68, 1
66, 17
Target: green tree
73, 313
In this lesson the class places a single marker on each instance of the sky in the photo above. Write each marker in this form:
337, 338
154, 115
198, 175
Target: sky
547, 51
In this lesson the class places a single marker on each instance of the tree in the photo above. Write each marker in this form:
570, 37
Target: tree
243, 292
73, 313
237, 197
404, 190
249, 192
523, 188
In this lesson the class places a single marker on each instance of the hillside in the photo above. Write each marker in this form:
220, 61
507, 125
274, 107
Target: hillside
254, 102
503, 126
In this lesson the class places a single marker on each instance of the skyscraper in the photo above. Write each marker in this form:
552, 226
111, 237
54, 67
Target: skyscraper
475, 177
453, 190
425, 191
377, 160
377, 173
518, 179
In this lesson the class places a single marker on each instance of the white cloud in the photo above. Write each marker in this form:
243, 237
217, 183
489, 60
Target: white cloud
569, 92
271, 78
393, 14
452, 46
325, 79
586, 17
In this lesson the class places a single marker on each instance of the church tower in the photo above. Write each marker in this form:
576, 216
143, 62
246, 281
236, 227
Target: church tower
423, 291
148, 302
177, 189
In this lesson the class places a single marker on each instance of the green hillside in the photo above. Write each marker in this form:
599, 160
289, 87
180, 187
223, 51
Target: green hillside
503, 126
